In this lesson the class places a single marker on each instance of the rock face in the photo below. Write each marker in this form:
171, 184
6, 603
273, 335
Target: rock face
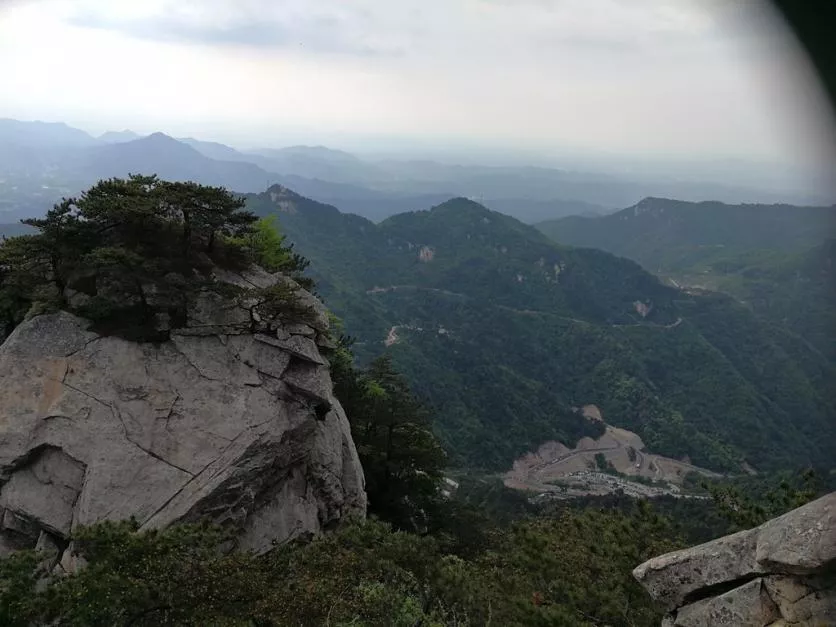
227, 421
781, 573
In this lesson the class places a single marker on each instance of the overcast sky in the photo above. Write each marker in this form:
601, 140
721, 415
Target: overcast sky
699, 78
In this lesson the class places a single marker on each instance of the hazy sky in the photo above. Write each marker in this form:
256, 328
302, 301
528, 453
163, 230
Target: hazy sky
680, 77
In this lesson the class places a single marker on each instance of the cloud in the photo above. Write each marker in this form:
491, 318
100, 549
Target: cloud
406, 27
318, 38
652, 76
319, 27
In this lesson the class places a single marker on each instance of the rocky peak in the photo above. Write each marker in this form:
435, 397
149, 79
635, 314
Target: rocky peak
778, 574
651, 205
278, 191
227, 421
284, 199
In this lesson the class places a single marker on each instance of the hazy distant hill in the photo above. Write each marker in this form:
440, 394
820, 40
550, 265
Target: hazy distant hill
504, 332
318, 162
215, 150
71, 170
667, 236
42, 134
313, 153
170, 159
116, 137
31, 150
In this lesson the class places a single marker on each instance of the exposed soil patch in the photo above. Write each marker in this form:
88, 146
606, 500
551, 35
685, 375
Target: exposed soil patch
391, 337
592, 467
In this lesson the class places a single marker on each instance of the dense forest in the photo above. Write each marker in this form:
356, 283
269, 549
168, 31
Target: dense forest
502, 332
794, 290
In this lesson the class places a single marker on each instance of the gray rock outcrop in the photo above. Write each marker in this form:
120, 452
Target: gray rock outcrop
232, 420
781, 573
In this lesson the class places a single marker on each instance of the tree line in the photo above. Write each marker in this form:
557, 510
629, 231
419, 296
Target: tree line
133, 251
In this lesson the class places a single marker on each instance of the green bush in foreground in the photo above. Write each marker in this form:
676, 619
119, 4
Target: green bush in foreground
573, 569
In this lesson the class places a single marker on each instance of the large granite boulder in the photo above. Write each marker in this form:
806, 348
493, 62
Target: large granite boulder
226, 422
781, 573
674, 577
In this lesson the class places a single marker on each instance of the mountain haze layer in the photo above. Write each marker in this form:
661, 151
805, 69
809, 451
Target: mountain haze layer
43, 162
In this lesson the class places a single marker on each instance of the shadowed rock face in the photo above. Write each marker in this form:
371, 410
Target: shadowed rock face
781, 573
224, 422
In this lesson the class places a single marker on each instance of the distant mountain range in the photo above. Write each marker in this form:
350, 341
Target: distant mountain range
14, 133
40, 162
170, 159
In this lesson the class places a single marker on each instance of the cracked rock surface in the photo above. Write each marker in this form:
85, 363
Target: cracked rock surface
231, 425
780, 574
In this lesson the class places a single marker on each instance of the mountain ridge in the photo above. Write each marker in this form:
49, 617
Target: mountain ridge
371, 186
43, 134
466, 299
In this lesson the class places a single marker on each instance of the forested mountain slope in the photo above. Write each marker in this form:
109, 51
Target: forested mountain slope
504, 332
776, 259
795, 290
